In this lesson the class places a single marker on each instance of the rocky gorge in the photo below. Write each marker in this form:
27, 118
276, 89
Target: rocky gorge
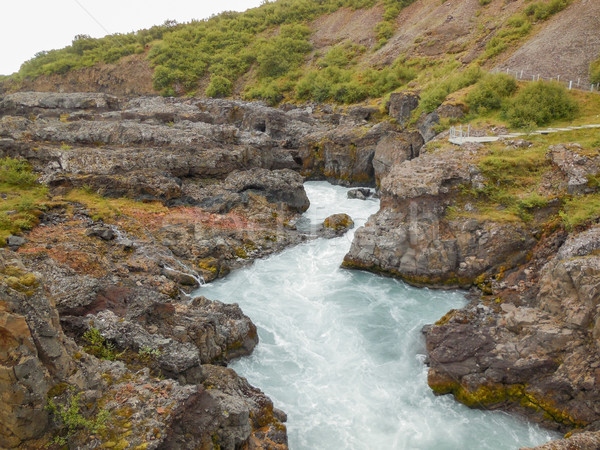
149, 196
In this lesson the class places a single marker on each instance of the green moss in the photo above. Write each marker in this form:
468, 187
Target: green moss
446, 318
493, 394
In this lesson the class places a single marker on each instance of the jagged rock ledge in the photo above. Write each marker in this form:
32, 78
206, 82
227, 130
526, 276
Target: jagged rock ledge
528, 340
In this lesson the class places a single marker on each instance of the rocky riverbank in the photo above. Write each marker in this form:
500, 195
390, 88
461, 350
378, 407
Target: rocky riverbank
149, 197
528, 340
146, 199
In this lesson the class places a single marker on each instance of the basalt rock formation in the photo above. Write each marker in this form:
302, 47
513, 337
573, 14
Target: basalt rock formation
411, 237
528, 339
536, 346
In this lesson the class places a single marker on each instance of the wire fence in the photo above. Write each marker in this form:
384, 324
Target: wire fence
579, 83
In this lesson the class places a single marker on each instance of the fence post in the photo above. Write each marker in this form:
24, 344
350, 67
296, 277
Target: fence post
558, 78
570, 84
521, 77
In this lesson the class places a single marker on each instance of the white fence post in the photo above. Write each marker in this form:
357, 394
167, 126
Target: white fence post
570, 84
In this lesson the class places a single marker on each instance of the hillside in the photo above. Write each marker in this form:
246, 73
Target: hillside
363, 48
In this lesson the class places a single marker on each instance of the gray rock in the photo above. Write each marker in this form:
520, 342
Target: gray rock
395, 148
336, 225
576, 167
360, 193
103, 232
426, 125
14, 242
401, 105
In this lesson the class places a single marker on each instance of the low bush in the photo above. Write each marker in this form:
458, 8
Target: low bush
540, 103
16, 172
433, 97
219, 87
542, 10
490, 92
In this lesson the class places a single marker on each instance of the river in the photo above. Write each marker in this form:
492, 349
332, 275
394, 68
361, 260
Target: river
341, 352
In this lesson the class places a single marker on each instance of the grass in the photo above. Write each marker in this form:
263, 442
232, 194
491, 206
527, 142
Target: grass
580, 211
107, 209
22, 200
513, 180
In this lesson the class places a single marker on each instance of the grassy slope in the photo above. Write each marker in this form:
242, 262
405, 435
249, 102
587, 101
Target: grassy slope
341, 50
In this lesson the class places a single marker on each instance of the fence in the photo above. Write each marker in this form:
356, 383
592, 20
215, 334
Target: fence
459, 132
580, 84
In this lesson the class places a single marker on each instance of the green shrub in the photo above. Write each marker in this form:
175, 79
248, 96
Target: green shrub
540, 103
98, 346
70, 420
495, 46
342, 55
595, 71
541, 10
490, 91
279, 55
350, 92
271, 92
219, 87
485, 2
384, 31
434, 96
16, 172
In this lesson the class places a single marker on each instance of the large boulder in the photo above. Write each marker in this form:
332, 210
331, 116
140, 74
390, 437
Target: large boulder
401, 105
395, 148
337, 225
411, 237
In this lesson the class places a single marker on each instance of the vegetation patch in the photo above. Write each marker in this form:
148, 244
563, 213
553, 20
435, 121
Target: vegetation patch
540, 103
490, 92
99, 346
69, 418
21, 198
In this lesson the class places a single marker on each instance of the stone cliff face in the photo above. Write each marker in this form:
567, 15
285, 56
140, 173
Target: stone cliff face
92, 283
536, 347
412, 238
528, 340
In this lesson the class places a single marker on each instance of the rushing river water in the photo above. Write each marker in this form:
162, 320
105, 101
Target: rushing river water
341, 351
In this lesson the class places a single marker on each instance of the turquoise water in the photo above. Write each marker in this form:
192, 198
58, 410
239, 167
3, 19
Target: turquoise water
341, 352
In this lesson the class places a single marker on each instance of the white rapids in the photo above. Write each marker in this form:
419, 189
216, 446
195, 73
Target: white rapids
341, 352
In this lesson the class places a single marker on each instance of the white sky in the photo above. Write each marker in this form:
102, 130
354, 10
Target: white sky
29, 26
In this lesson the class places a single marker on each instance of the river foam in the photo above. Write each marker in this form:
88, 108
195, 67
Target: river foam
342, 354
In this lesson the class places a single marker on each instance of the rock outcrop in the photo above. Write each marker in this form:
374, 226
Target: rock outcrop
94, 306
411, 237
580, 171
337, 225
99, 140
115, 316
534, 347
